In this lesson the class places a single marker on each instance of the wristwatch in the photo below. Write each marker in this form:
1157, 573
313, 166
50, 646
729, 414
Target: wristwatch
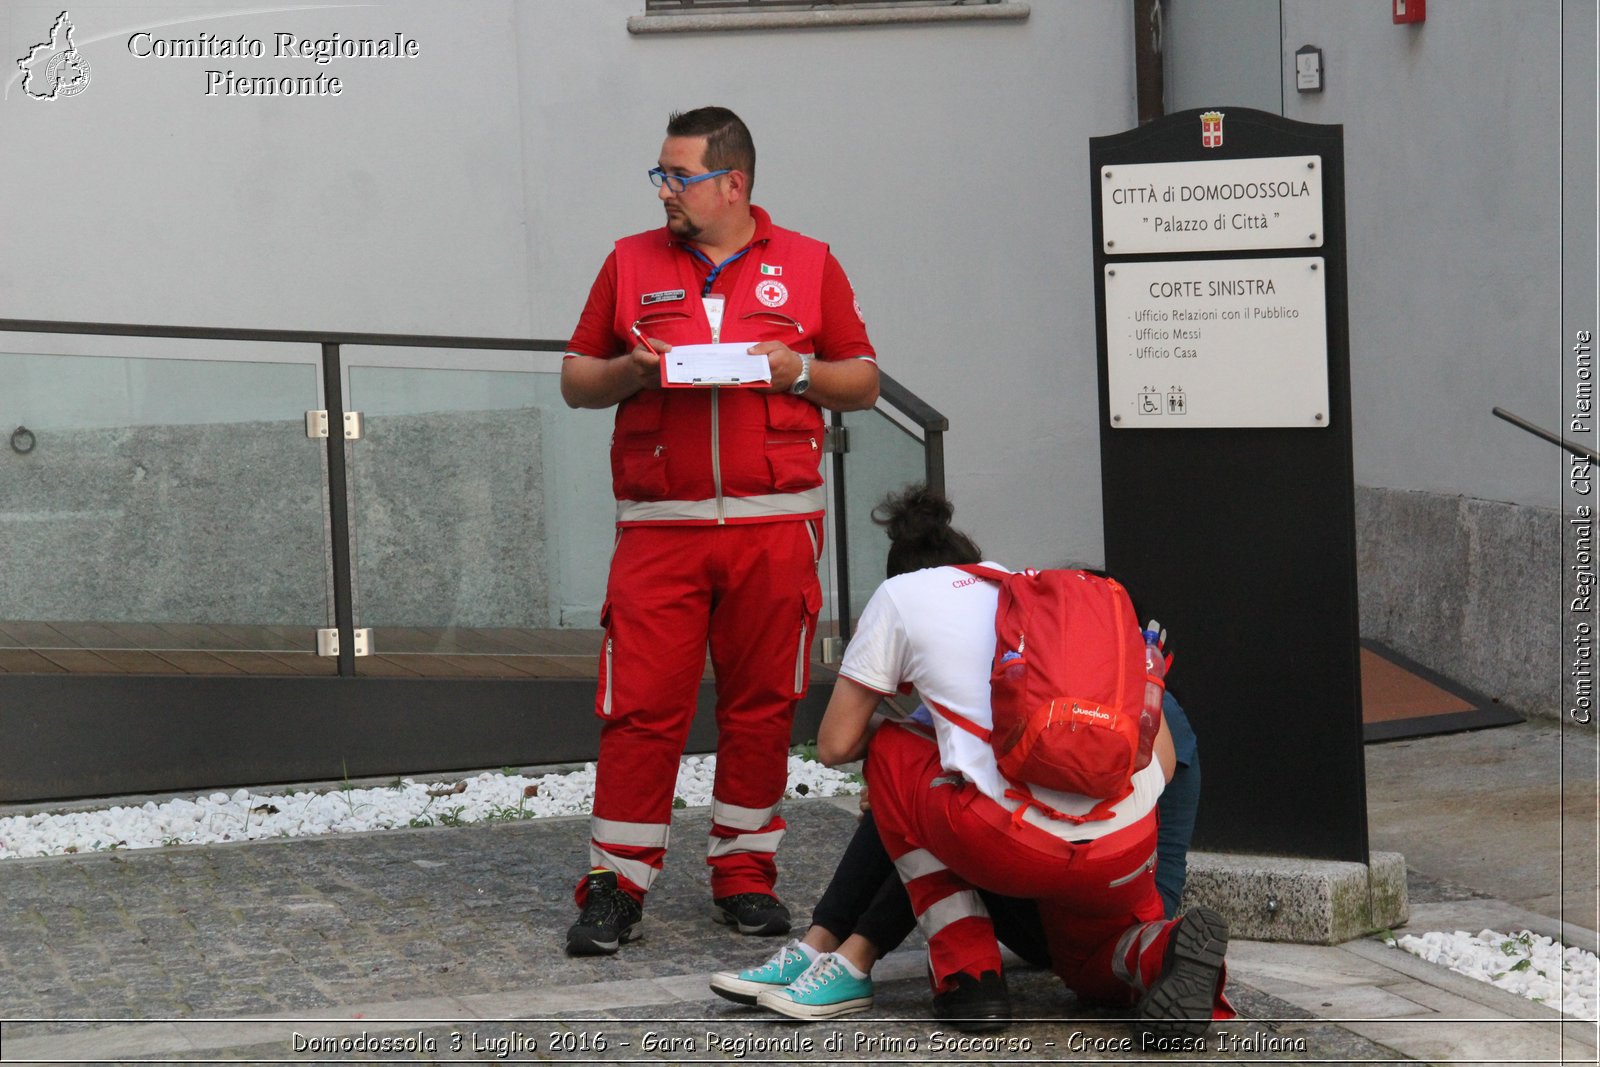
802, 383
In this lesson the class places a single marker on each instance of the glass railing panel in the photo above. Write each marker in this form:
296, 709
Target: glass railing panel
162, 507
885, 455
482, 516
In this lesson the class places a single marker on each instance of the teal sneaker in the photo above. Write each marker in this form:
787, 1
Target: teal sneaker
826, 990
742, 987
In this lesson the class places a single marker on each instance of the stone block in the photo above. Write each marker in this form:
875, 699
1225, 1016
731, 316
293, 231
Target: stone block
1466, 587
1312, 902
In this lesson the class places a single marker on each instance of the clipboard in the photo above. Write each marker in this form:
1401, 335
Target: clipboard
730, 366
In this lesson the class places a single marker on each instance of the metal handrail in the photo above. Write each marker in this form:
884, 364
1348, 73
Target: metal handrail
927, 418
924, 415
314, 337
1538, 431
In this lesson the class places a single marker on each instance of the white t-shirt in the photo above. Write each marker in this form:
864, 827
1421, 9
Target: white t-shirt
934, 629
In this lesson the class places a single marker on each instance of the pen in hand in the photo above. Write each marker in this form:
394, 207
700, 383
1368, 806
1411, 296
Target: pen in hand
648, 347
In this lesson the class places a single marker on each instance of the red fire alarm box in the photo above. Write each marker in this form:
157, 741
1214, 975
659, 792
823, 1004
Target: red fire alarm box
1410, 10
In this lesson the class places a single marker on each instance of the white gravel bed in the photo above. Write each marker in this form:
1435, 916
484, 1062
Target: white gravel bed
1524, 963
243, 815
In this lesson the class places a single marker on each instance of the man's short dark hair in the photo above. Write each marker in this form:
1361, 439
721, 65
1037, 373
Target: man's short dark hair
728, 142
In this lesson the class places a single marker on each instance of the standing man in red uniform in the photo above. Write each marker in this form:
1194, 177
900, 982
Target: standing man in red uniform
719, 520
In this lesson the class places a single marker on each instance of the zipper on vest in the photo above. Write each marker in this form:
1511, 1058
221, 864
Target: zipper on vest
716, 453
716, 421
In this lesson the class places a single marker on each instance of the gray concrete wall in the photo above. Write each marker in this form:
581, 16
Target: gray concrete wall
1469, 587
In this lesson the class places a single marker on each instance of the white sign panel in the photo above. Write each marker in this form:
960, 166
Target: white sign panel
1217, 343
1212, 205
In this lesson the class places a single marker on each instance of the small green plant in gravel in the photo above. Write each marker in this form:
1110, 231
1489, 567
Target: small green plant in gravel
510, 813
348, 789
1523, 942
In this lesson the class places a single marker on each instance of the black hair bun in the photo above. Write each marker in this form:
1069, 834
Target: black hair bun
915, 515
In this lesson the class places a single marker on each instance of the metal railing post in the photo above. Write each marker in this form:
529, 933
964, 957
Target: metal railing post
339, 510
841, 543
933, 460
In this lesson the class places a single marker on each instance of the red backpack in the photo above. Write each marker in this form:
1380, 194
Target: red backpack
1067, 689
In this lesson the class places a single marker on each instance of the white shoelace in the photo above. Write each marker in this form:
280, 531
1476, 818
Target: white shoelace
780, 959
818, 974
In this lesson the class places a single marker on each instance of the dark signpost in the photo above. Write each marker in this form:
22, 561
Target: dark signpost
1226, 460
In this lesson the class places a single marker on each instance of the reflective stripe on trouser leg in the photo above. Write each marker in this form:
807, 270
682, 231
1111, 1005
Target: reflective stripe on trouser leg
744, 843
960, 934
916, 864
738, 830
950, 915
1130, 950
748, 820
965, 904
636, 851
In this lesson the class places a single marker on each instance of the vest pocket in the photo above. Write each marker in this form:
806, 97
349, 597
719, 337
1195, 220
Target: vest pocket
795, 461
790, 413
639, 470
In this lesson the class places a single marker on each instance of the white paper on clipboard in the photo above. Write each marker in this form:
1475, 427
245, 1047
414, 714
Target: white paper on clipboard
725, 364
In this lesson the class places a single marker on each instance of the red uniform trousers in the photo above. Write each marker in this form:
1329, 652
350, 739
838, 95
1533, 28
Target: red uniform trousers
751, 592
1097, 900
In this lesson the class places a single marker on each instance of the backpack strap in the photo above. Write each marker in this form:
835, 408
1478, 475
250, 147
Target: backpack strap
1020, 791
1102, 810
960, 720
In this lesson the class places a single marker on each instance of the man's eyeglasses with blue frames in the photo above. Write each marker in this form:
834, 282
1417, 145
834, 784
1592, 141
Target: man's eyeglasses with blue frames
677, 183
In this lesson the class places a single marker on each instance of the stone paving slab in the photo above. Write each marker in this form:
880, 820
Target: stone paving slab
447, 945
455, 937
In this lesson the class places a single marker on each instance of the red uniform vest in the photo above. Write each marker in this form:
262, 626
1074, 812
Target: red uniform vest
718, 455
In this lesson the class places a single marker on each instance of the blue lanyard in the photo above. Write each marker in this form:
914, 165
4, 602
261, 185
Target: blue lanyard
716, 268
